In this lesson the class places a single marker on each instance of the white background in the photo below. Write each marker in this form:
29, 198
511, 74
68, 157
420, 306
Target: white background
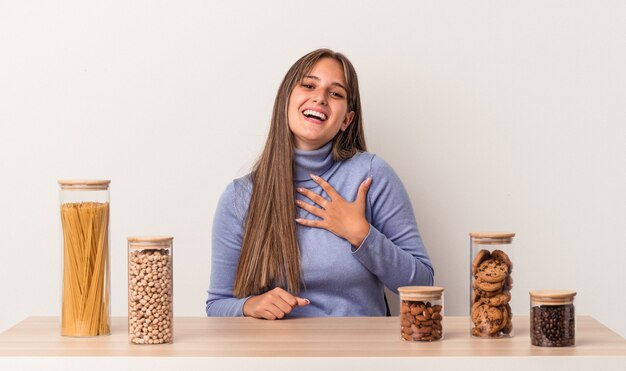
497, 115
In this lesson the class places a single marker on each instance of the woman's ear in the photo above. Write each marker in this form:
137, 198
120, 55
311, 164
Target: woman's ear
347, 120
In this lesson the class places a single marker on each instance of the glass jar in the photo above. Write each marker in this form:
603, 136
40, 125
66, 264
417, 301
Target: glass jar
421, 313
491, 282
150, 290
552, 318
86, 307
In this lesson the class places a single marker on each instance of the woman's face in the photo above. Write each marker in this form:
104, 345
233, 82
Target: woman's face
318, 106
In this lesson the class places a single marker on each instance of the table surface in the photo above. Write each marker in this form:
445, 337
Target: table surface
303, 337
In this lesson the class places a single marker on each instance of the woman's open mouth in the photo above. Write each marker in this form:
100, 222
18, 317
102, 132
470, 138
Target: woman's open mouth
314, 116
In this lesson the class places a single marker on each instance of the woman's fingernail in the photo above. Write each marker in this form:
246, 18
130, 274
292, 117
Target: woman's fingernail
308, 301
368, 181
300, 189
314, 177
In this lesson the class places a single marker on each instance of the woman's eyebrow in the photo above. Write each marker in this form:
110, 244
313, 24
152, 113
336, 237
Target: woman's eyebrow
318, 79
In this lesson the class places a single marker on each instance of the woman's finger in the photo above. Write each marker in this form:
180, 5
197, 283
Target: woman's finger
281, 308
302, 302
310, 223
267, 314
271, 305
330, 191
310, 208
288, 298
312, 196
281, 299
363, 188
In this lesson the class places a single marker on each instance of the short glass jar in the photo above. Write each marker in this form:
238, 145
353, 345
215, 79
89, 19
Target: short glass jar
150, 290
491, 281
421, 313
552, 318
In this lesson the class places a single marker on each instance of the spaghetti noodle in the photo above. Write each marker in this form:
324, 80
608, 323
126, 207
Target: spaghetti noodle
85, 310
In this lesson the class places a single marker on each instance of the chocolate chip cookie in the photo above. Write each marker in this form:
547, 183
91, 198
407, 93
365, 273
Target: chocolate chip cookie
492, 270
490, 295
480, 257
489, 320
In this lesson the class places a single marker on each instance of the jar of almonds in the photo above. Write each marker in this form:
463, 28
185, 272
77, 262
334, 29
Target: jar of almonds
421, 313
150, 290
491, 268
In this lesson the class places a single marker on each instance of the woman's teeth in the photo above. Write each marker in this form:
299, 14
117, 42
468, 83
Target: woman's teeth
315, 114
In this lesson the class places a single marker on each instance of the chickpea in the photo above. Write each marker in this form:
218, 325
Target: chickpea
150, 297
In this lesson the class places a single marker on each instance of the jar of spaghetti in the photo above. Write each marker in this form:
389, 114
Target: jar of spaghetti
86, 306
491, 282
552, 318
150, 290
421, 313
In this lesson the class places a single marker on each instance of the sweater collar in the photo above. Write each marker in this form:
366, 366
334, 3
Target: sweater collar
315, 162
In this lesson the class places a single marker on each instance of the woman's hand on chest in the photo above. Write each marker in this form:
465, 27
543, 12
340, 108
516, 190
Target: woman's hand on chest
344, 219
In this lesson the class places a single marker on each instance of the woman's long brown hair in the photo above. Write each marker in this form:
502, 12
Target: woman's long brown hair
270, 255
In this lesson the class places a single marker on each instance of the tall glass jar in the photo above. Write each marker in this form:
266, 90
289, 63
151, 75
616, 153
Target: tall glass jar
552, 318
421, 313
150, 290
491, 282
86, 306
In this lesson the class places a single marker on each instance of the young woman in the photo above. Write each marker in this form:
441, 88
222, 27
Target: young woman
320, 226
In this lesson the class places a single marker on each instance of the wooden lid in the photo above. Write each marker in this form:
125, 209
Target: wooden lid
498, 235
552, 297
142, 242
420, 292
492, 238
150, 238
83, 184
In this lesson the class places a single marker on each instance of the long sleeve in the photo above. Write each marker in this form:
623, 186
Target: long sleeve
226, 246
393, 250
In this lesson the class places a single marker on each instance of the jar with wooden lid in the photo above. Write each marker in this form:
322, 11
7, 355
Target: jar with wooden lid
552, 318
150, 290
491, 282
421, 313
86, 305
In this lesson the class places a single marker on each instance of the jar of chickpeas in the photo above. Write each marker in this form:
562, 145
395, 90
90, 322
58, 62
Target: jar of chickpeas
150, 290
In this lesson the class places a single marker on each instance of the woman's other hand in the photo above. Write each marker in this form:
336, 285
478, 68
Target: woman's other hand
344, 219
273, 304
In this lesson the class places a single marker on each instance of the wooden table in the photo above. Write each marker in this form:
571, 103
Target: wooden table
304, 344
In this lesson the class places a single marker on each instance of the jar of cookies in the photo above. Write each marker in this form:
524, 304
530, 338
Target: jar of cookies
150, 290
491, 282
86, 305
421, 313
552, 318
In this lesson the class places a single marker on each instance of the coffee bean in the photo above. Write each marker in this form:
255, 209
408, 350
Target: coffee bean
552, 325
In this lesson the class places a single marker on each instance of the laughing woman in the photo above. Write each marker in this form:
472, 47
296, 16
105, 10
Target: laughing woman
320, 226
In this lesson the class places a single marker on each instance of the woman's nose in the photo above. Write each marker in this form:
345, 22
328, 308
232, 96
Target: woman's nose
319, 97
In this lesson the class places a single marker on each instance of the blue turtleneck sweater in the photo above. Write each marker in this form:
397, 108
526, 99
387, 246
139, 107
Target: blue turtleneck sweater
338, 279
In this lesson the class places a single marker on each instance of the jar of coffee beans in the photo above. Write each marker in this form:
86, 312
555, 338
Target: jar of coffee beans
421, 313
491, 282
150, 285
552, 318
